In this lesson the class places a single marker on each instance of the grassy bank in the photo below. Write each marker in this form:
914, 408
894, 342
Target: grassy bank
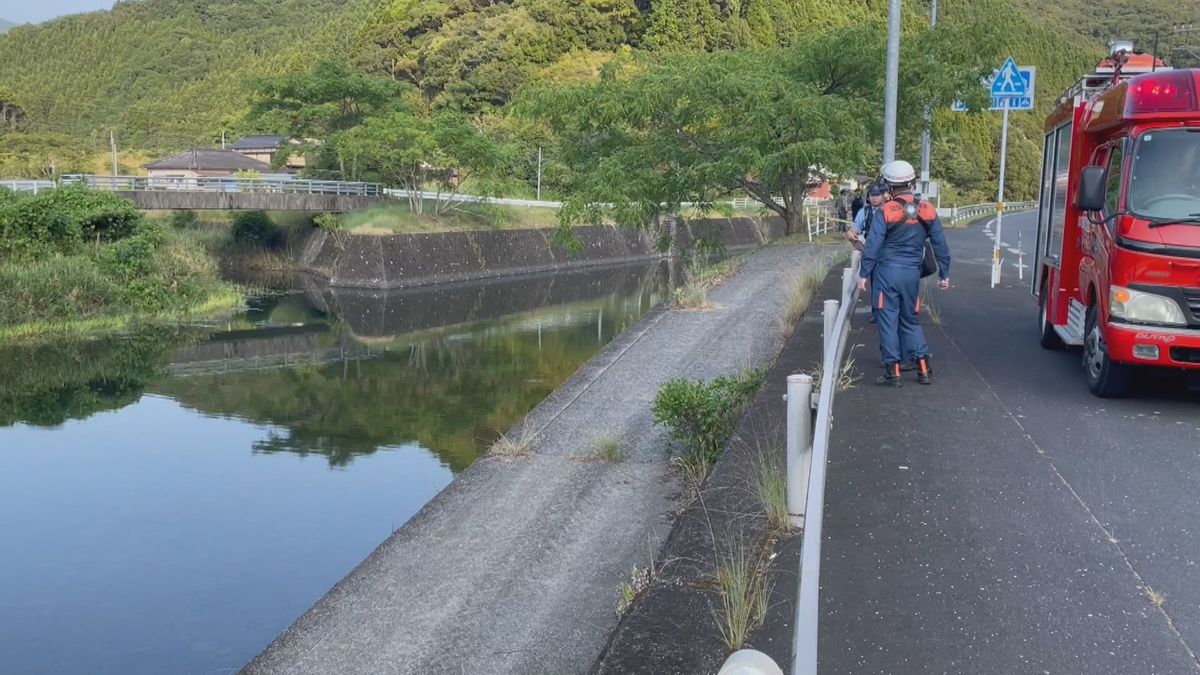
77, 263
399, 219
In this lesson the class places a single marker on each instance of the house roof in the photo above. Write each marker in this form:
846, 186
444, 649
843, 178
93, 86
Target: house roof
208, 160
259, 143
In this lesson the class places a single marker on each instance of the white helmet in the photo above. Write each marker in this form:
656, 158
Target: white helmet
898, 172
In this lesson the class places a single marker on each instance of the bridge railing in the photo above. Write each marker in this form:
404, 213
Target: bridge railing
230, 184
19, 185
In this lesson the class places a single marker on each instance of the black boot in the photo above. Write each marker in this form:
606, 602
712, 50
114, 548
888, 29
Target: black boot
924, 372
891, 376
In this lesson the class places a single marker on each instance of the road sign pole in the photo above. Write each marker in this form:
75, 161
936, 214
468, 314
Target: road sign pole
1000, 198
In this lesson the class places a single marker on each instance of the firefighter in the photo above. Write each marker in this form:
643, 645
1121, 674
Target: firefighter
877, 194
892, 260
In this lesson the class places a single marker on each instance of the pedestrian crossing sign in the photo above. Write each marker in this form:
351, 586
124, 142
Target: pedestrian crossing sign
1010, 81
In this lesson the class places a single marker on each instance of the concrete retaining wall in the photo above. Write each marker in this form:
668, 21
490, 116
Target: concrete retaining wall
404, 260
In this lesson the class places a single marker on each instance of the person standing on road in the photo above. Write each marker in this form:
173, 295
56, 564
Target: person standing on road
877, 195
856, 205
842, 208
893, 258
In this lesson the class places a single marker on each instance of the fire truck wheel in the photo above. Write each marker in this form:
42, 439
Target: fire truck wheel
1050, 339
1105, 378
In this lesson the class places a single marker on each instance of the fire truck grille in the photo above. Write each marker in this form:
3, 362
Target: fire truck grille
1192, 296
1185, 354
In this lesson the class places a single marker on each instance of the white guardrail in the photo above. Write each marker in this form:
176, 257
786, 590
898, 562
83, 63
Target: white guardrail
957, 214
19, 185
807, 457
223, 184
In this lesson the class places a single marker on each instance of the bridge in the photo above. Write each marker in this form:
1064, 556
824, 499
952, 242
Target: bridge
228, 193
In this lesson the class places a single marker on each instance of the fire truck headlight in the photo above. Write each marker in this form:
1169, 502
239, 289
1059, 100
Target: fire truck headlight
1139, 307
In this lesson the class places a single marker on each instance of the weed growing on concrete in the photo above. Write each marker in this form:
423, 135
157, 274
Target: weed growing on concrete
608, 449
846, 379
639, 581
745, 588
802, 284
770, 484
515, 446
700, 276
691, 295
1157, 599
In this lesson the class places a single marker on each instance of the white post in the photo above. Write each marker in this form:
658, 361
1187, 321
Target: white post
799, 444
830, 316
1000, 198
539, 176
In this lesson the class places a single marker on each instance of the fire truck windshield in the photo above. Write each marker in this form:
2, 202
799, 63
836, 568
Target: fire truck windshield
1164, 181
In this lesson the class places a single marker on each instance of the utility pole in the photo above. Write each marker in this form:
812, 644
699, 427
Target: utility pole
927, 136
893, 82
112, 144
539, 175
222, 139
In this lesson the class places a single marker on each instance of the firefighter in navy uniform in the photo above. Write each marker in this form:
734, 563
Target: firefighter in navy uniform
893, 260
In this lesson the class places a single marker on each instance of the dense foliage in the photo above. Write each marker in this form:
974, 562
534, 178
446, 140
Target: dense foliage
73, 254
166, 74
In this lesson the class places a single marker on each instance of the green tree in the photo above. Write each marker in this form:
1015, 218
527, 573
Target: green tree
651, 135
415, 150
312, 107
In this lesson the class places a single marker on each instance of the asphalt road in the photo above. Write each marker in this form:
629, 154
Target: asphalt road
1004, 520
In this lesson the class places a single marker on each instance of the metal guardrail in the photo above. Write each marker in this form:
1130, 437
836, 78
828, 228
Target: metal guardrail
957, 214
230, 184
34, 186
807, 457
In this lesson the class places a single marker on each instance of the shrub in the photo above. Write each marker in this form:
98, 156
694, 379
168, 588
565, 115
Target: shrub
98, 215
701, 415
60, 221
255, 228
182, 220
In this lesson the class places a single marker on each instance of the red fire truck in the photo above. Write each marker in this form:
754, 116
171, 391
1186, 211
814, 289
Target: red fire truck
1118, 244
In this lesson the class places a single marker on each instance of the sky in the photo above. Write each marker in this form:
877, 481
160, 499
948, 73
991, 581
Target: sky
25, 11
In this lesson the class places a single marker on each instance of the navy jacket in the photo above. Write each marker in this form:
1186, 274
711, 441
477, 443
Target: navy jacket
904, 245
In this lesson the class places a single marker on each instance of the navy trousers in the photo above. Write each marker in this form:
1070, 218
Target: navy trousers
896, 293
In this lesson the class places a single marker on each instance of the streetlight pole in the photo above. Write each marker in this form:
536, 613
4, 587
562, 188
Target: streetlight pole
893, 82
926, 137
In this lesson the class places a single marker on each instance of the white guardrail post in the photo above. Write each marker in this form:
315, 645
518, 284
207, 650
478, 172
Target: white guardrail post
799, 444
806, 464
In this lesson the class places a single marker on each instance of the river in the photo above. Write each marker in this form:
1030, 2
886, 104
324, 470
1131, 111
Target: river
172, 499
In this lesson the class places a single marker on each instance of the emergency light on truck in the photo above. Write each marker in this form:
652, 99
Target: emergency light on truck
1172, 91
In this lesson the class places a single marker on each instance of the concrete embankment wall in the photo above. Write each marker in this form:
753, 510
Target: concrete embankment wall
403, 260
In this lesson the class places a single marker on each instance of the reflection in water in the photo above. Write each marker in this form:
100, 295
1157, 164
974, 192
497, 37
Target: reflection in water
158, 489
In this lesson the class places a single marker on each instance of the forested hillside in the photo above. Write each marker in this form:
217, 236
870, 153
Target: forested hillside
5, 26
163, 73
167, 74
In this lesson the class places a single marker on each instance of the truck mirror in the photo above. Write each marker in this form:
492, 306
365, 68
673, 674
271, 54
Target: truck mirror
1092, 186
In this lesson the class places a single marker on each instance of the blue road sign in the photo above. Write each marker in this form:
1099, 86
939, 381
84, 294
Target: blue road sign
1004, 79
1008, 81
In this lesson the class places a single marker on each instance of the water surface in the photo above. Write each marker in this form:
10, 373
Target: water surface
172, 499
